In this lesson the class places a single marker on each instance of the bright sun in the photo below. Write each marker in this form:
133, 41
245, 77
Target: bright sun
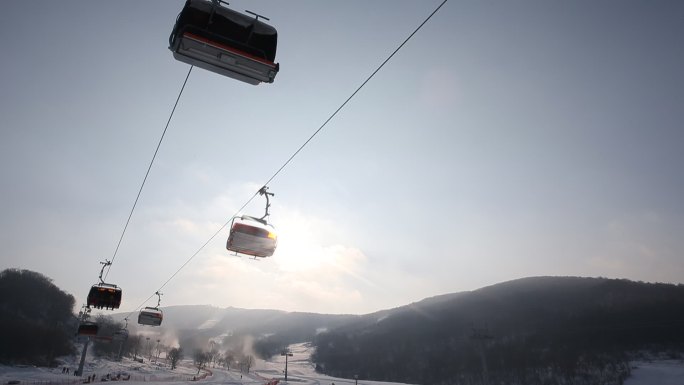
300, 246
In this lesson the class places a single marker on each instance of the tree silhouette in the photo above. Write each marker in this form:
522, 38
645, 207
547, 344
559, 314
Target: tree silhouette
36, 319
175, 355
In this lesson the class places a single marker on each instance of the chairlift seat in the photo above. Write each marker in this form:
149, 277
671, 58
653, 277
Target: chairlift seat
226, 42
87, 329
251, 237
104, 296
151, 316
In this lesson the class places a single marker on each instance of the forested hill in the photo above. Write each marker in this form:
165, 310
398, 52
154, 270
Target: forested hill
36, 323
270, 330
543, 330
522, 331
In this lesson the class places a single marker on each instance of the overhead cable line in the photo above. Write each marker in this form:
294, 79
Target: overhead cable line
300, 148
353, 94
196, 252
135, 203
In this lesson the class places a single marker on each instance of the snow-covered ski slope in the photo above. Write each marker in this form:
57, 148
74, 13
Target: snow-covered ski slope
300, 371
657, 373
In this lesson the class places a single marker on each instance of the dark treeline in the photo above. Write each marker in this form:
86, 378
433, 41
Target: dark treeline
268, 331
111, 344
36, 319
272, 345
105, 347
531, 331
294, 328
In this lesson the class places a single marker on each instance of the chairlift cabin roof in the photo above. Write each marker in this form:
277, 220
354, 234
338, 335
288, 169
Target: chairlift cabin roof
87, 329
250, 236
151, 316
104, 296
224, 41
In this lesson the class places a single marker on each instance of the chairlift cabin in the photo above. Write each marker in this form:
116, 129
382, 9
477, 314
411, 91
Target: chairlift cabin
151, 316
218, 39
104, 296
252, 236
103, 339
120, 335
87, 329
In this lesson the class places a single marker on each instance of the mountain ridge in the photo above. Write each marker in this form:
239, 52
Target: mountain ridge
573, 326
517, 331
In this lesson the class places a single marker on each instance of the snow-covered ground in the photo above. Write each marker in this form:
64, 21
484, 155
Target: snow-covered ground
127, 368
300, 371
657, 373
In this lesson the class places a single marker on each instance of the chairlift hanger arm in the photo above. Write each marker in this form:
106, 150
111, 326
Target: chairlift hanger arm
104, 265
84, 314
158, 299
264, 191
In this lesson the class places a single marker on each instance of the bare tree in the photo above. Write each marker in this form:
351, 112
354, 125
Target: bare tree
228, 358
200, 358
175, 355
134, 345
248, 362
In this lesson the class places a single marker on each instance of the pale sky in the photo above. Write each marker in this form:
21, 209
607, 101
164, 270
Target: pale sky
507, 139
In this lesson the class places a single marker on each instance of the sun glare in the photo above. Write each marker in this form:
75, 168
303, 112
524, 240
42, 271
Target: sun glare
311, 244
299, 246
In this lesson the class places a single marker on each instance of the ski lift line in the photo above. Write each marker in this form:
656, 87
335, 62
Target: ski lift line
195, 254
135, 203
207, 242
294, 154
354, 93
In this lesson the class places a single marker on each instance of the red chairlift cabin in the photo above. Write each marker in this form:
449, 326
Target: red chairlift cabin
87, 329
151, 316
252, 236
104, 296
218, 39
104, 339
